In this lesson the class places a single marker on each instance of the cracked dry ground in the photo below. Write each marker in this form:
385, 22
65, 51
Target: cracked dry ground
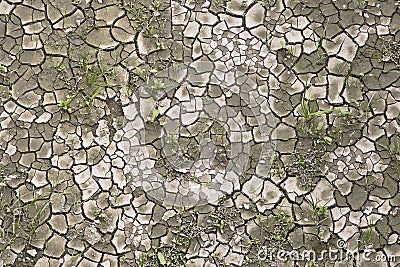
137, 133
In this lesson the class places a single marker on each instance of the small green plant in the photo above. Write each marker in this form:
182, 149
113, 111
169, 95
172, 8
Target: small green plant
136, 77
142, 259
308, 110
363, 107
320, 212
355, 113
369, 236
392, 146
370, 182
347, 117
276, 166
157, 85
2, 183
290, 50
5, 80
95, 77
185, 234
283, 44
312, 123
155, 112
394, 151
222, 217
218, 259
102, 216
390, 51
91, 81
263, 3
21, 217
222, 3
141, 76
65, 104
277, 224
3, 70
306, 166
163, 256
274, 230
253, 248
148, 19
319, 44
362, 3
160, 46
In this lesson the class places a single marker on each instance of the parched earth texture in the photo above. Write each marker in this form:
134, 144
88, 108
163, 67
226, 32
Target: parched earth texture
199, 133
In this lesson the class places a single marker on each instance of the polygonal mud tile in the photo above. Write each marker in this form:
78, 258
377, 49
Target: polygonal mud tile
55, 246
